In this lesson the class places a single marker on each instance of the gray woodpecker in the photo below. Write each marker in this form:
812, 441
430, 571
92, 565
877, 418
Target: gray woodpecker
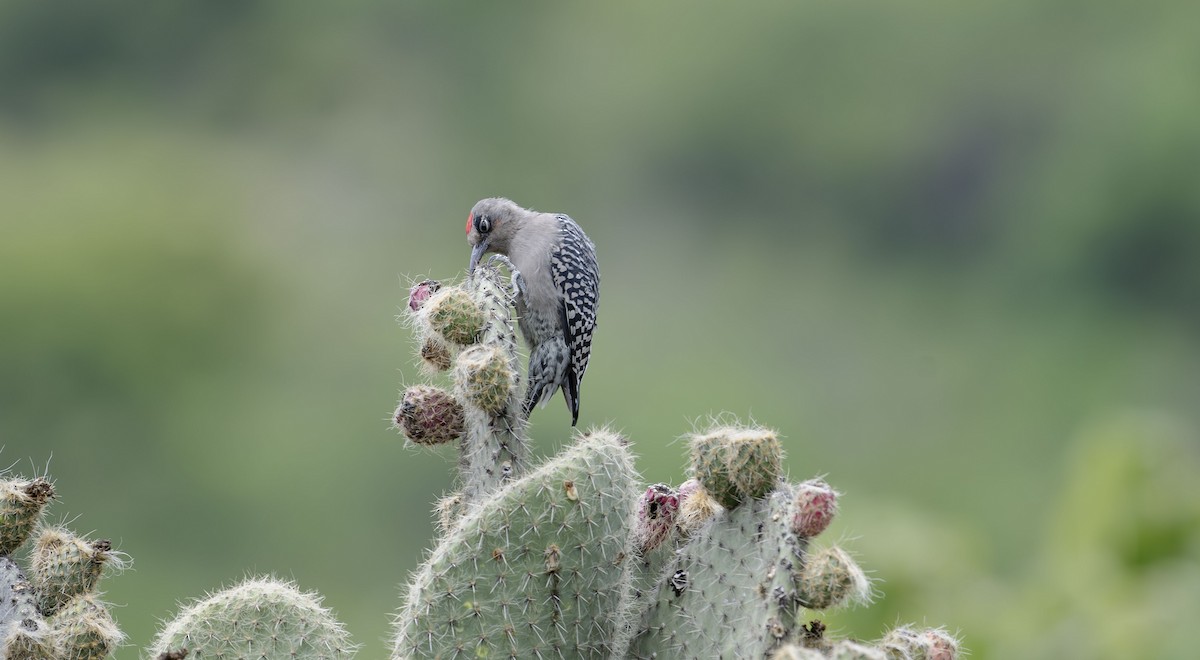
558, 289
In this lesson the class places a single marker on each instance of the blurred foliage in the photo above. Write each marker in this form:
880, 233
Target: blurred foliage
929, 242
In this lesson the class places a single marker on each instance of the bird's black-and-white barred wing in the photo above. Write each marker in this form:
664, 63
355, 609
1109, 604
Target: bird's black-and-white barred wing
577, 276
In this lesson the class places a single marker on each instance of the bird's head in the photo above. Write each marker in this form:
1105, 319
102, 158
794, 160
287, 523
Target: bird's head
490, 227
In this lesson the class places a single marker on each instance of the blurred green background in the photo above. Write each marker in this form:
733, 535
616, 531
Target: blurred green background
951, 250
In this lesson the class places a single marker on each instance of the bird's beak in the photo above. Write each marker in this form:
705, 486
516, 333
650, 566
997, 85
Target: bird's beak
477, 254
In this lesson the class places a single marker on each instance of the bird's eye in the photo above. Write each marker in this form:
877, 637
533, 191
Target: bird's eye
483, 224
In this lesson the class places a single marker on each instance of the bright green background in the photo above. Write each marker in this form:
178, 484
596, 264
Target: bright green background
951, 250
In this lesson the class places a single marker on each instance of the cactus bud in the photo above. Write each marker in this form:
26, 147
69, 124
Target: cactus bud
816, 505
832, 579
906, 643
86, 631
737, 464
429, 415
64, 566
422, 292
656, 512
21, 504
453, 314
942, 645
485, 378
435, 356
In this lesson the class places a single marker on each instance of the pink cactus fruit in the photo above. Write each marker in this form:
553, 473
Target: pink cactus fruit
421, 292
656, 511
816, 505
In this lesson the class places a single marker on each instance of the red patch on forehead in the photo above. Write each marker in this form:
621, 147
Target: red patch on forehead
470, 219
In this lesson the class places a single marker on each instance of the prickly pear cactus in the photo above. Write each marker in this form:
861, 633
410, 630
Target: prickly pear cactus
259, 618
51, 611
572, 559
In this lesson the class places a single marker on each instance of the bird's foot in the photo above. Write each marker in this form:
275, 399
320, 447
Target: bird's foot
518, 281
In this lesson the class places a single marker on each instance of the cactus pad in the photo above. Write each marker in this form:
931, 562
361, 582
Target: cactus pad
259, 618
453, 315
536, 569
21, 504
736, 464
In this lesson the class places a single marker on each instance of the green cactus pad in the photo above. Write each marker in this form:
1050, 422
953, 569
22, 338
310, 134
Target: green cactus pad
485, 378
736, 573
64, 566
735, 464
831, 579
84, 630
259, 618
21, 505
429, 415
453, 315
536, 569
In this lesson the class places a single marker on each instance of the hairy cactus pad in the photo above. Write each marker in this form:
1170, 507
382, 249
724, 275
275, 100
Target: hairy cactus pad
453, 315
21, 504
735, 464
85, 630
64, 566
259, 618
535, 569
484, 377
831, 579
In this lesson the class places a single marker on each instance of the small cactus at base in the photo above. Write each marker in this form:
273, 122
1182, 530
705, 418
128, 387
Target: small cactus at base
259, 618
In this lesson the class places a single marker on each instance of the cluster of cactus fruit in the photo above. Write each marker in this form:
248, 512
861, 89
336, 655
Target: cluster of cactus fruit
576, 558
573, 558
